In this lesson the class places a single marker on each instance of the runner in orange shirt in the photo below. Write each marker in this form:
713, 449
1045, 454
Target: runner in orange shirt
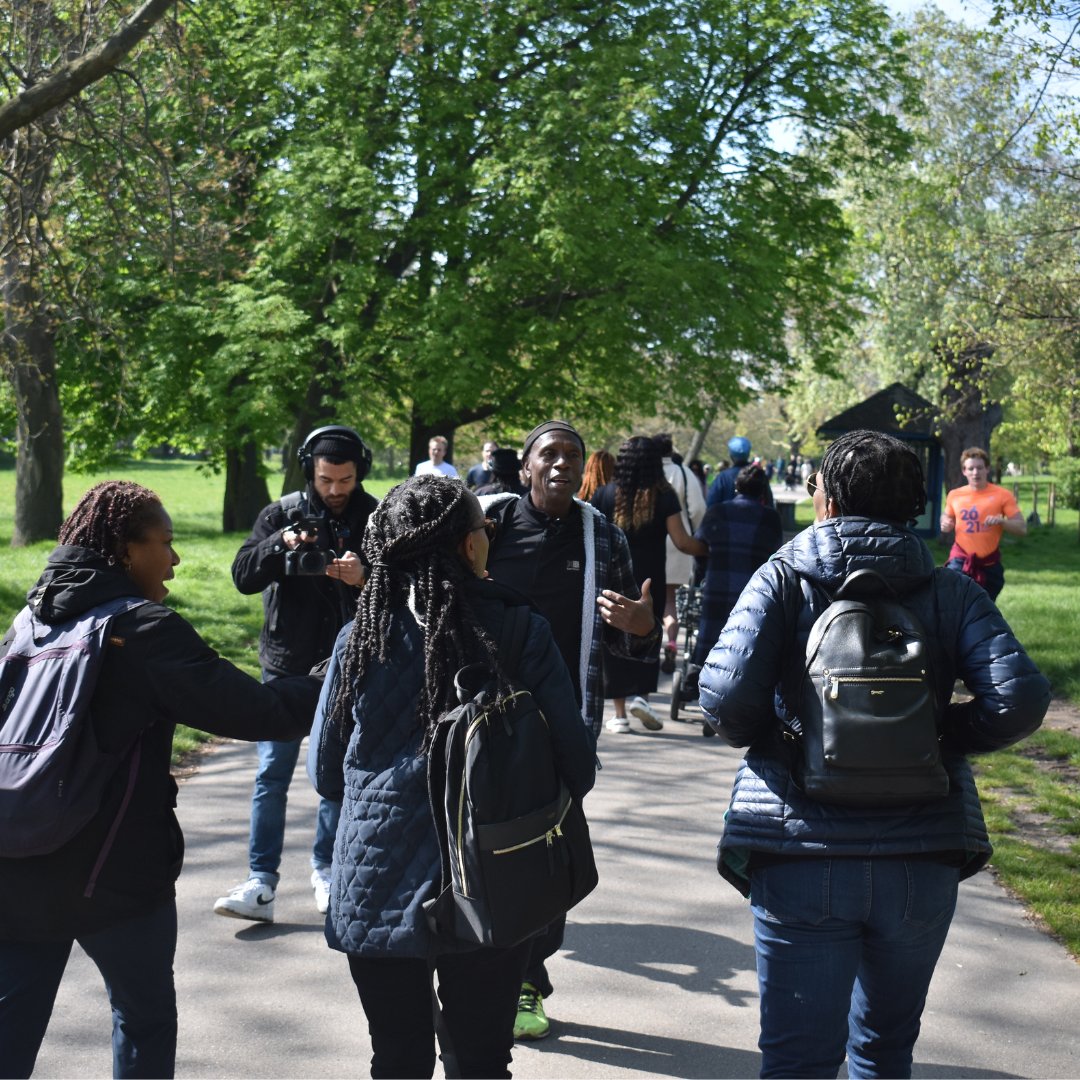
982, 510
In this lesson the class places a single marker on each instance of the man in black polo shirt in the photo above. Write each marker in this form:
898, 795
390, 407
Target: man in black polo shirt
574, 565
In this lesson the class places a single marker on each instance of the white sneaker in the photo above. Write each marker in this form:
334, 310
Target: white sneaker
618, 724
253, 900
640, 708
320, 882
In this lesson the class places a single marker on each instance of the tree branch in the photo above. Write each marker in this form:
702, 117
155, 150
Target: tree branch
71, 78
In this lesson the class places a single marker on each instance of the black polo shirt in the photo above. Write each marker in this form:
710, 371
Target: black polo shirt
544, 558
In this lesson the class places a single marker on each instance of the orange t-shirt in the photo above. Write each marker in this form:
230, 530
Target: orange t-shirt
970, 508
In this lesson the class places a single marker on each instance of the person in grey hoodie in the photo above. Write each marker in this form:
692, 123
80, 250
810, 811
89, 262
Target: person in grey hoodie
852, 904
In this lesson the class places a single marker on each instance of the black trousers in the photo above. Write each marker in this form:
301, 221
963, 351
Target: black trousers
478, 991
542, 947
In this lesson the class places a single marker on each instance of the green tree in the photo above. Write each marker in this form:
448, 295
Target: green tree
50, 53
467, 213
963, 265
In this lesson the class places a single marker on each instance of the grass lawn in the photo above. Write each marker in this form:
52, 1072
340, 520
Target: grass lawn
1031, 793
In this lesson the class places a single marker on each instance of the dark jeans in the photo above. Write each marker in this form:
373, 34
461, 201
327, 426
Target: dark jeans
277, 763
542, 947
845, 950
995, 576
478, 991
135, 958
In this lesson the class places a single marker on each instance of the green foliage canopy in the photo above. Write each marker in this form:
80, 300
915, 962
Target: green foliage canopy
447, 212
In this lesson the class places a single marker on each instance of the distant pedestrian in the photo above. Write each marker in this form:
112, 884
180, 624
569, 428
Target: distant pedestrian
639, 500
598, 471
679, 566
742, 534
483, 472
436, 464
723, 486
852, 904
980, 512
505, 474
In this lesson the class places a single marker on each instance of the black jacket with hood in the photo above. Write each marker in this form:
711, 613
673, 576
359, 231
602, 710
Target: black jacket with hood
157, 672
301, 615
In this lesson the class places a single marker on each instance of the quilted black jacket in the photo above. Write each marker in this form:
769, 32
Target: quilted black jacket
750, 683
386, 855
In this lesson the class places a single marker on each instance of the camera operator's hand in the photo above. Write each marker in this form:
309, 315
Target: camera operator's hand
293, 539
348, 568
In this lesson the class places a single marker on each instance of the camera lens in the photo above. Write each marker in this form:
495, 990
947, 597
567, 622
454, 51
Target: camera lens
311, 562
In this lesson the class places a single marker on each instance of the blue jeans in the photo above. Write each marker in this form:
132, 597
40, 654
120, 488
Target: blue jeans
135, 958
995, 576
845, 950
277, 762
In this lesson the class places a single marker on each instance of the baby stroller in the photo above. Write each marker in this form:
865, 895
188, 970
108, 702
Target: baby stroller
684, 679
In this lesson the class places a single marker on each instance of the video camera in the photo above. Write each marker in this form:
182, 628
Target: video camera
312, 556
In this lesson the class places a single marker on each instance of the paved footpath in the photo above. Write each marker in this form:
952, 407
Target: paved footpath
657, 977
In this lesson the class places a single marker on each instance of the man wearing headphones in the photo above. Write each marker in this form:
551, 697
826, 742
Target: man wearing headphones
301, 556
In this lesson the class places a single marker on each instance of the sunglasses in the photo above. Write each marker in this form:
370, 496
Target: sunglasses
489, 525
812, 483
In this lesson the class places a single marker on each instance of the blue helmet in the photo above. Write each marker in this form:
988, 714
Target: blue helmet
739, 448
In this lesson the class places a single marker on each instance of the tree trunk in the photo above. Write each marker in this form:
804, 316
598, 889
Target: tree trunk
702, 433
969, 419
312, 414
246, 491
29, 345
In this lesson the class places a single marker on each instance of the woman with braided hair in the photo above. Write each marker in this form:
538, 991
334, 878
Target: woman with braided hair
112, 886
642, 503
427, 610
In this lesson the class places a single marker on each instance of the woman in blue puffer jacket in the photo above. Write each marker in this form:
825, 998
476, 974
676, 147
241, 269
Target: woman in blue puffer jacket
852, 904
426, 611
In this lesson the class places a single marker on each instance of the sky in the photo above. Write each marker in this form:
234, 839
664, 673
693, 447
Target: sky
973, 12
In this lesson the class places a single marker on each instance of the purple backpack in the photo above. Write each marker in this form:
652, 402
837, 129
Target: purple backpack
52, 772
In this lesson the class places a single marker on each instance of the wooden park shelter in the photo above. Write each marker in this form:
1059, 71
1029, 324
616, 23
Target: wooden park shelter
903, 413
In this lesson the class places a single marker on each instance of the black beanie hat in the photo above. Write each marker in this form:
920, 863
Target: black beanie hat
334, 445
543, 429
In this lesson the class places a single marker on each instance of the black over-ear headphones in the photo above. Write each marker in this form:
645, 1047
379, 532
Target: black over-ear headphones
307, 459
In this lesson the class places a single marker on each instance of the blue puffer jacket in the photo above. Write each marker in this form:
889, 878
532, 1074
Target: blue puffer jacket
386, 854
750, 683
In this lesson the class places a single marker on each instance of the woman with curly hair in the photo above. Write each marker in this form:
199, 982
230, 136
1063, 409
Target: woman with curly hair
111, 887
598, 472
427, 611
641, 503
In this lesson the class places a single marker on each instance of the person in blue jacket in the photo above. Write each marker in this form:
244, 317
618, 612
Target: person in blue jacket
852, 905
722, 488
427, 611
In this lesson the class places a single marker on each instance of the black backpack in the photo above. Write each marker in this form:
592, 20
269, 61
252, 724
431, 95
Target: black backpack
867, 707
514, 844
52, 772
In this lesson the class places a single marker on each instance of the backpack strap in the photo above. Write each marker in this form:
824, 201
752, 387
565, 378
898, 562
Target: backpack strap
295, 500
